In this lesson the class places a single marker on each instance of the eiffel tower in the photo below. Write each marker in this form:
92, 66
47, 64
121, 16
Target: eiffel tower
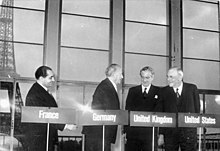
8, 73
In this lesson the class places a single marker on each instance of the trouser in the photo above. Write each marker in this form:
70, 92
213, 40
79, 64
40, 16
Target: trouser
138, 145
185, 138
95, 144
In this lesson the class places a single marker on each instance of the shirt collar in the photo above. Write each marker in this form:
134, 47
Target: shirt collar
180, 88
148, 88
115, 86
42, 86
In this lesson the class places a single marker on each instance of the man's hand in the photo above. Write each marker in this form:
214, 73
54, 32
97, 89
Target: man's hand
160, 140
70, 127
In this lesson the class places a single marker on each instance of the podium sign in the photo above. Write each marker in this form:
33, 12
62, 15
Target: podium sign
152, 119
103, 117
198, 120
48, 115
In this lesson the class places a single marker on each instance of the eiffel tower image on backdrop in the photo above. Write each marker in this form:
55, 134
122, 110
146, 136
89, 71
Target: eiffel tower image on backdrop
8, 73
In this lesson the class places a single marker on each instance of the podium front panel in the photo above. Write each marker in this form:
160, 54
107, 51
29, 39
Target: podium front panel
103, 117
48, 115
198, 120
152, 119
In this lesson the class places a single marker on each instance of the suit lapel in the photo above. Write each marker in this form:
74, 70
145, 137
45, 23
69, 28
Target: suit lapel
172, 92
183, 92
150, 91
139, 90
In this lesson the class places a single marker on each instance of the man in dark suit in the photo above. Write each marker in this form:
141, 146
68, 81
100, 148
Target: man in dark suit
38, 95
179, 96
104, 98
141, 98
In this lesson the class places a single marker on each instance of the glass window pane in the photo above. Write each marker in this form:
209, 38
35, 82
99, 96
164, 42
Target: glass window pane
85, 32
153, 11
133, 64
70, 96
24, 88
207, 71
124, 97
212, 103
144, 38
87, 7
200, 15
28, 56
83, 65
35, 4
200, 44
89, 91
29, 28
73, 96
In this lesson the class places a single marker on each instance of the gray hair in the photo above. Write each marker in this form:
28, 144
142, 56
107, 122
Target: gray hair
111, 69
178, 70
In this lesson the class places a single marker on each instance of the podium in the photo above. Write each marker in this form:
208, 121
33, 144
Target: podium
70, 116
159, 119
103, 117
117, 117
198, 120
48, 115
152, 119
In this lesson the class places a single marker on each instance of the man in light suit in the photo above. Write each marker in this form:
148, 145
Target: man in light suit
104, 98
141, 98
179, 96
38, 96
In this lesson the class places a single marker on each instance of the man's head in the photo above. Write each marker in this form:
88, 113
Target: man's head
147, 76
114, 72
174, 77
45, 76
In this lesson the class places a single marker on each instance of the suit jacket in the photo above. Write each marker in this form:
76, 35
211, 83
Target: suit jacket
36, 133
136, 102
104, 98
189, 100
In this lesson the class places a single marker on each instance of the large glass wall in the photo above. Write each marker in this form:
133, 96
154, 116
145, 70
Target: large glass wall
21, 40
201, 57
146, 40
84, 52
201, 43
84, 39
28, 24
85, 32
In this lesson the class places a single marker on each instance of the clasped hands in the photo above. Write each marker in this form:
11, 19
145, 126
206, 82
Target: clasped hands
70, 127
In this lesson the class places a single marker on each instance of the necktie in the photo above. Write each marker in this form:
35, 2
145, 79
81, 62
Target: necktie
177, 96
145, 93
177, 93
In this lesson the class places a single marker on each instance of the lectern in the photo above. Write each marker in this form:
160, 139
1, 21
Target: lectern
152, 119
48, 115
103, 117
198, 120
